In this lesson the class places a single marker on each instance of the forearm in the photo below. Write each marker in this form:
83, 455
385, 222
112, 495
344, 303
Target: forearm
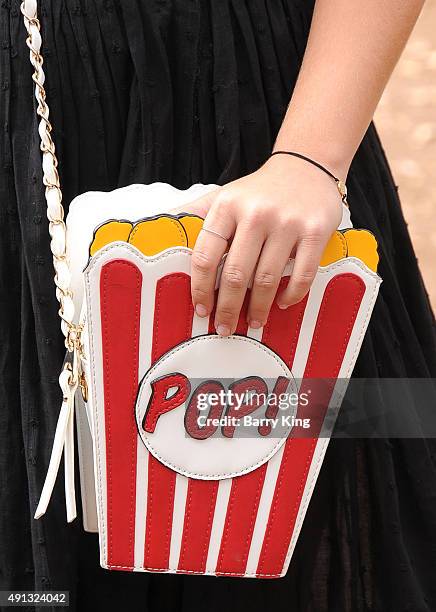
352, 49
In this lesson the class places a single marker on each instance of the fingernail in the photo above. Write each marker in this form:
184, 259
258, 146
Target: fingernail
283, 306
201, 310
255, 324
223, 330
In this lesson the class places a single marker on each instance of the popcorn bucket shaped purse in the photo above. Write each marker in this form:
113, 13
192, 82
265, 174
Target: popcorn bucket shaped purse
170, 483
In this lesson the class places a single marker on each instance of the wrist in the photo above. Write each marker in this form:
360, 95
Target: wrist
330, 145
329, 155
278, 154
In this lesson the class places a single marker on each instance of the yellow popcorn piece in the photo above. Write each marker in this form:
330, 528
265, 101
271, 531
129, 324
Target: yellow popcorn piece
363, 245
154, 235
352, 242
335, 249
110, 232
192, 225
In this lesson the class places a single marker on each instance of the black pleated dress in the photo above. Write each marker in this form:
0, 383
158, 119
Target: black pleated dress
187, 91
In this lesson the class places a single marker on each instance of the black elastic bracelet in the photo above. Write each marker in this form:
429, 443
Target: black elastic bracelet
342, 188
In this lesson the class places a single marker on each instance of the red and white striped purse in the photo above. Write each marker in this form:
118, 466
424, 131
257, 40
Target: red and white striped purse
171, 480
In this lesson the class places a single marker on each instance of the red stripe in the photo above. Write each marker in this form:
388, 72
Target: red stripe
197, 526
239, 524
120, 299
172, 325
280, 334
282, 329
336, 317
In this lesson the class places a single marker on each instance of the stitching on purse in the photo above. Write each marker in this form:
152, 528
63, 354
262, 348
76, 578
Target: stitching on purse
107, 422
344, 245
200, 573
273, 511
171, 496
149, 506
168, 280
209, 525
252, 518
152, 467
138, 277
254, 512
138, 298
101, 517
186, 524
321, 315
301, 484
227, 521
82, 463
83, 457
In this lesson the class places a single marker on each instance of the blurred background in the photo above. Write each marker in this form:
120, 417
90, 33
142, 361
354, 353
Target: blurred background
406, 122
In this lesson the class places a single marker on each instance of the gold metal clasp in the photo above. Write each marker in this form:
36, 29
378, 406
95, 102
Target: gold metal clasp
342, 188
83, 386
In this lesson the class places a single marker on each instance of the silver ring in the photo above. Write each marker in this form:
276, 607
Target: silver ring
214, 233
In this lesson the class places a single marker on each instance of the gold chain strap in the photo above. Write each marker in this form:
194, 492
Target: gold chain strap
53, 192
72, 375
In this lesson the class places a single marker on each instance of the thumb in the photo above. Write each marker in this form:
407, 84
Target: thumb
199, 207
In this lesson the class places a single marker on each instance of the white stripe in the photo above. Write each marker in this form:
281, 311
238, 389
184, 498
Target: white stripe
269, 485
94, 374
200, 326
142, 454
256, 334
180, 493
307, 328
219, 518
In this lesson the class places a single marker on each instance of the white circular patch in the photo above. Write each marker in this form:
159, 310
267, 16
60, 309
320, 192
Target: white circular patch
211, 357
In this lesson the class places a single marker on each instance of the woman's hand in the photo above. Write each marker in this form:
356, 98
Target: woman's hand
286, 208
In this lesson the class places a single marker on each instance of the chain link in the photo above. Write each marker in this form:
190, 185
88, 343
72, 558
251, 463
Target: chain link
55, 213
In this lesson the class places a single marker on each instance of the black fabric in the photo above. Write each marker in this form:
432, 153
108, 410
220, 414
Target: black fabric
194, 91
